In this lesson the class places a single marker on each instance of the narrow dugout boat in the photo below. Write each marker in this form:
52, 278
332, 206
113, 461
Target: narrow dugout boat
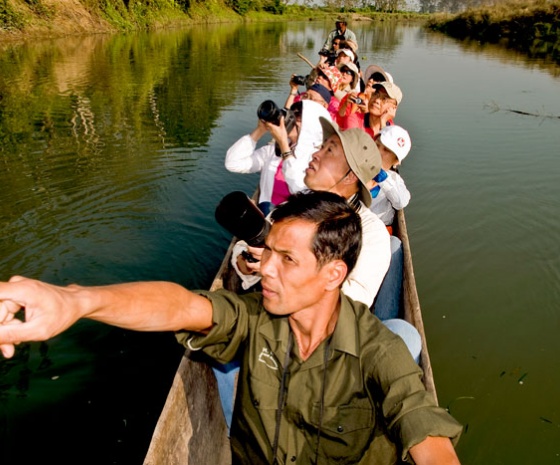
192, 429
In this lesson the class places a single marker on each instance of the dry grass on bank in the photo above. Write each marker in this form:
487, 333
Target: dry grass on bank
512, 12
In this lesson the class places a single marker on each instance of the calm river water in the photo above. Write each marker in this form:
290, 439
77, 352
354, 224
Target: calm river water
112, 153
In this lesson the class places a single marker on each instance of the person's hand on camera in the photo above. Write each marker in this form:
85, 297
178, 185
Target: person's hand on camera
259, 131
248, 267
279, 134
294, 86
389, 114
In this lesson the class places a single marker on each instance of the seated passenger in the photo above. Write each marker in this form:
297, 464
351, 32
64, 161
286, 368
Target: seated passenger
327, 56
375, 74
349, 81
282, 162
352, 110
330, 77
336, 386
389, 196
382, 107
382, 103
394, 144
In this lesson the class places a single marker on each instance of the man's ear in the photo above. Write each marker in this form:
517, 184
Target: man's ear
351, 178
336, 271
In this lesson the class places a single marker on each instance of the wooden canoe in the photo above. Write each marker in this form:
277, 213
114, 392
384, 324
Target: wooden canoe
192, 429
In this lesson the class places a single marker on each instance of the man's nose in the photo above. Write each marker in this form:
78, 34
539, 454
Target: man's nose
267, 266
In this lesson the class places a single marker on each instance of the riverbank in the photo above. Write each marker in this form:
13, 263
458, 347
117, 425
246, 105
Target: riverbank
532, 27
37, 19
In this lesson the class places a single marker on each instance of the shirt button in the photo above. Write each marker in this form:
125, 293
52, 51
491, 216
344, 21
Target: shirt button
293, 458
256, 403
339, 428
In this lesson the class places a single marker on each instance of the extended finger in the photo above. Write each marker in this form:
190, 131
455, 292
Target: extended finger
8, 350
8, 309
14, 332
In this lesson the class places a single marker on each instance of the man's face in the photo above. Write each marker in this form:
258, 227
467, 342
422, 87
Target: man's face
322, 79
347, 75
291, 280
341, 27
387, 155
341, 59
328, 166
380, 103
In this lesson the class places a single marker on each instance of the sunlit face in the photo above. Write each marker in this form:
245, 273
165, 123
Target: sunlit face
322, 79
328, 166
380, 103
291, 279
342, 58
310, 94
347, 75
387, 156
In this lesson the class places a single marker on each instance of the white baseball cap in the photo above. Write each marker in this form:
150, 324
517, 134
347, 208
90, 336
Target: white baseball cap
347, 52
397, 140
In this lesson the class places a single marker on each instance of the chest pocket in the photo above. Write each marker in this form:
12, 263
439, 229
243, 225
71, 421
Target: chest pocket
346, 431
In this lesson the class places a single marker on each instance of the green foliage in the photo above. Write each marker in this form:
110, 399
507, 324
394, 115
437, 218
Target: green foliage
9, 18
39, 8
241, 7
275, 7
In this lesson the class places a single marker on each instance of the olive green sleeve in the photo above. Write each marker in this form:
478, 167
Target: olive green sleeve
231, 315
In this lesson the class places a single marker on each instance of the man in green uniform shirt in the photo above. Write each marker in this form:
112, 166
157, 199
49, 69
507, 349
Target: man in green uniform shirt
321, 381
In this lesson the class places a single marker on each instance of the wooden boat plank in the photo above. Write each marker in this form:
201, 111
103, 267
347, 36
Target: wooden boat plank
412, 310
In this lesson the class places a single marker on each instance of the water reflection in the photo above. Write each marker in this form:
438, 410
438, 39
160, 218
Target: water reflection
541, 61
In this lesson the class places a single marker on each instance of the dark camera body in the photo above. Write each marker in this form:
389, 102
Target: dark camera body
270, 112
299, 80
357, 100
247, 256
327, 53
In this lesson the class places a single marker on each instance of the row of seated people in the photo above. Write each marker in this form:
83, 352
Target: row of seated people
301, 155
296, 137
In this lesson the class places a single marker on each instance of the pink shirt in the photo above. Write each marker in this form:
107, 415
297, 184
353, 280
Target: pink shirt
280, 190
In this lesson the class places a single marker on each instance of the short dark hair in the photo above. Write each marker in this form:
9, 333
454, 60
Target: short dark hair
377, 77
339, 228
339, 37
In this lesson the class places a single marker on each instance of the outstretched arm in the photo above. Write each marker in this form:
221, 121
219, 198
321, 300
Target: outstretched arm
50, 310
434, 451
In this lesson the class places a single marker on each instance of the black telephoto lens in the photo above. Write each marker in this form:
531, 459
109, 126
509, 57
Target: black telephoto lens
241, 217
268, 111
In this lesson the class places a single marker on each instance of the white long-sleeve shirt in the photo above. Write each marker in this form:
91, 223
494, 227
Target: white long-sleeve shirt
393, 195
244, 157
